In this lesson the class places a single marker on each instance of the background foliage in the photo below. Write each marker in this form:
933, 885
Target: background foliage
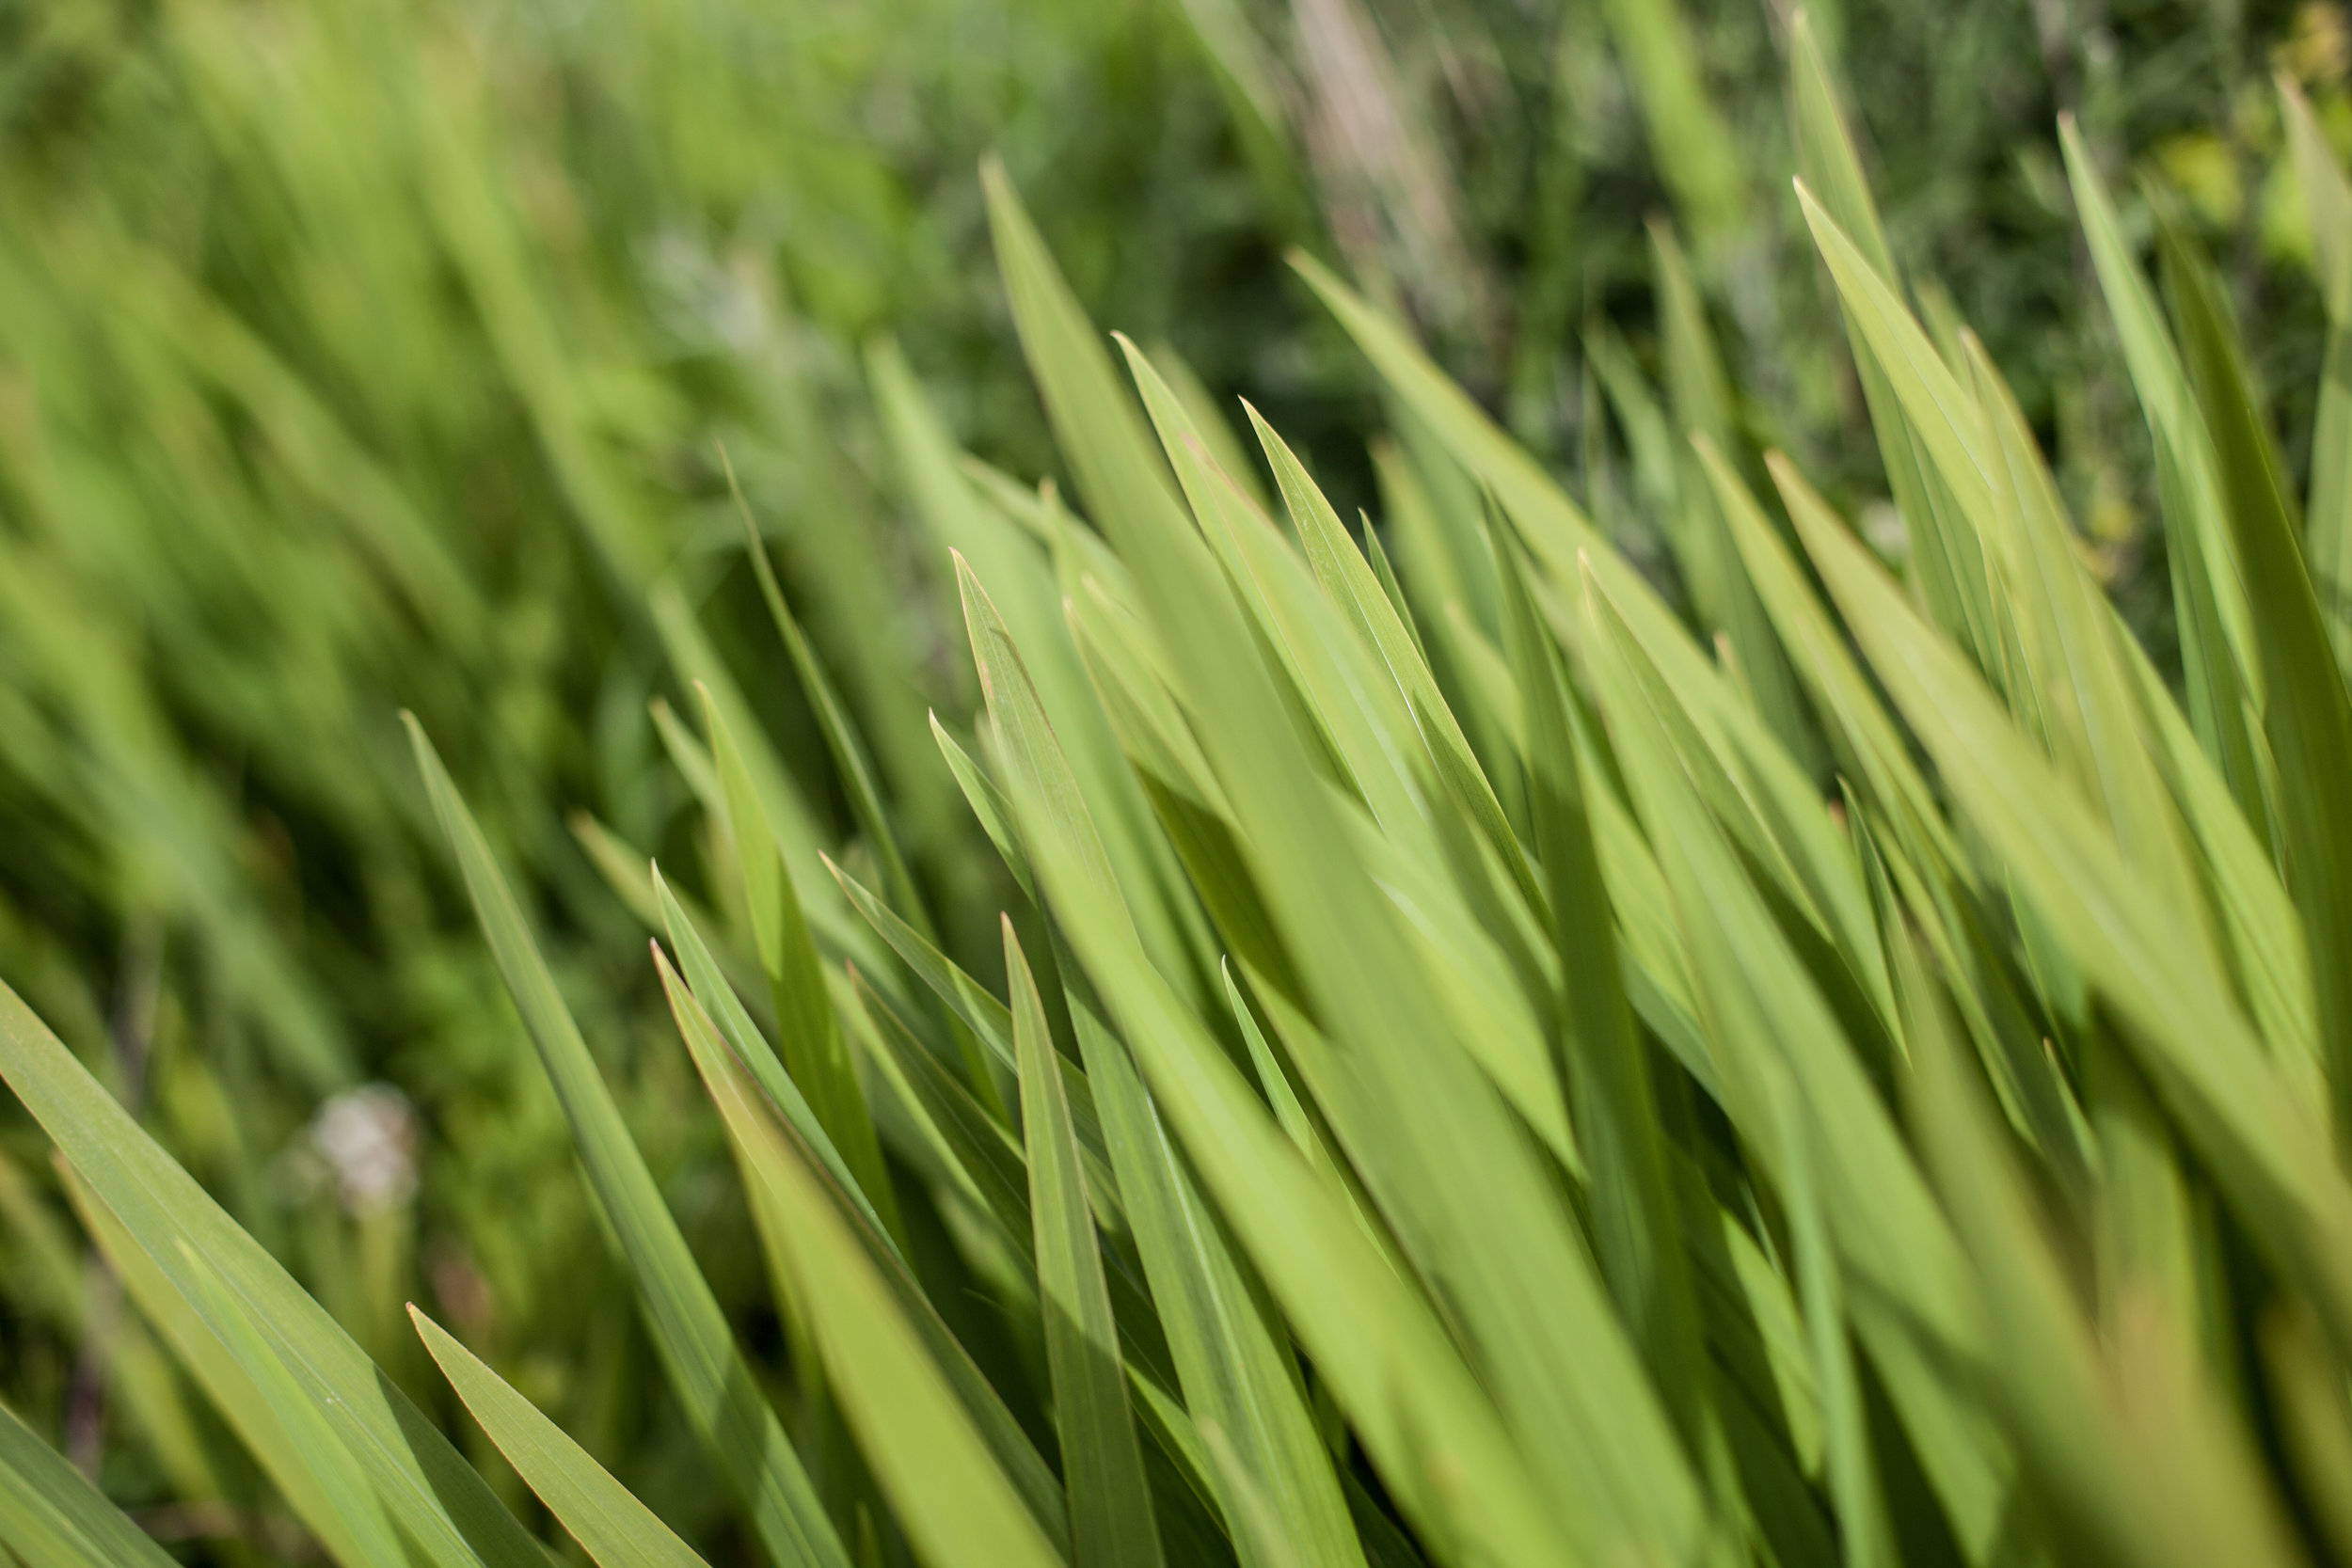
372, 354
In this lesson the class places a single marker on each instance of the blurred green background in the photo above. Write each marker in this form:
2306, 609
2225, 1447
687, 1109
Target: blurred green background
361, 355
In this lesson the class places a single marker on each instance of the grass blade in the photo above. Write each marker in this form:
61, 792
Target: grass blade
815, 1053
2308, 710
602, 1515
1110, 1501
432, 1495
698, 1351
940, 1474
51, 1515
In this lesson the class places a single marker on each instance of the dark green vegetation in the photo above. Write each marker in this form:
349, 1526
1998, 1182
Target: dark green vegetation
1592, 1025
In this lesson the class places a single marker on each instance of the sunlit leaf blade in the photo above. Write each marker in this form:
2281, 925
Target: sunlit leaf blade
689, 1332
1110, 1503
943, 1480
352, 1521
2125, 1440
1231, 1368
2308, 711
1604, 1065
1349, 582
432, 1495
2267, 1152
209, 1360
2328, 208
1015, 1457
808, 1035
602, 1515
1434, 1435
2216, 639
751, 1048
50, 1514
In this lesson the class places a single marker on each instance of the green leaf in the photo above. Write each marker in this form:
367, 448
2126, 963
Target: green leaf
353, 1519
2308, 711
2124, 1440
1110, 1502
1348, 581
604, 1516
752, 1049
2216, 638
941, 1471
815, 1053
1603, 1064
1431, 1431
2327, 205
51, 1515
1951, 570
849, 760
988, 804
1231, 1368
2266, 1152
717, 1387
435, 1497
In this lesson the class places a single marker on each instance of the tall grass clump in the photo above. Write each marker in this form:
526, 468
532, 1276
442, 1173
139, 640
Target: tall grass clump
1490, 1065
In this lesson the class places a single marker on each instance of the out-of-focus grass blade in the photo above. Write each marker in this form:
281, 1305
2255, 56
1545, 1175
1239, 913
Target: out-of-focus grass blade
1854, 1485
2314, 1404
604, 1516
1110, 1502
53, 1517
2133, 1451
1697, 154
2265, 1150
1119, 469
696, 662
1826, 154
711, 1379
2327, 205
439, 1503
941, 1475
808, 1033
1939, 410
1945, 558
2208, 594
2308, 711
832, 720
